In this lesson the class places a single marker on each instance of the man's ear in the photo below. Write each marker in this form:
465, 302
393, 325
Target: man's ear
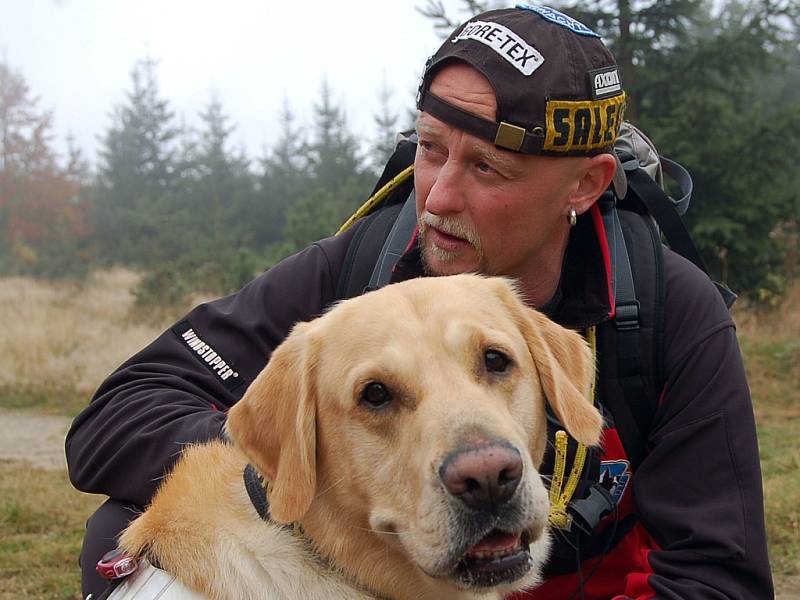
596, 174
274, 424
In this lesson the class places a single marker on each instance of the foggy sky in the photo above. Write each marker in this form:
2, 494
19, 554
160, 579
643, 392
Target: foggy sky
77, 56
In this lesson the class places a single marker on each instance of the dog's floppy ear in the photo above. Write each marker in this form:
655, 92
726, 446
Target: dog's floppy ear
566, 368
566, 371
274, 424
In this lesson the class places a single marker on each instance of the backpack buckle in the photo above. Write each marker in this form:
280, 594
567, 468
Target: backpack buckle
626, 316
628, 161
589, 511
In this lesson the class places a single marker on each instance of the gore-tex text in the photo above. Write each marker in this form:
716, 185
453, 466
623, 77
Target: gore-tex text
521, 55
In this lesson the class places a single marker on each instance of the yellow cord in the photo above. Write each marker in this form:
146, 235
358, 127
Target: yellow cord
560, 495
367, 207
558, 508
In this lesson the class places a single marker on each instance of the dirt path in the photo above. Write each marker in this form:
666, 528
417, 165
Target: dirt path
37, 439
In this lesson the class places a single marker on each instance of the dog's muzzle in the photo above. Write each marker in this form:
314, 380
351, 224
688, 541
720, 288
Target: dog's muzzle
495, 532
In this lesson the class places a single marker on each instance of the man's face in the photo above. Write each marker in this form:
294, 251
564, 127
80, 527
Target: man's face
481, 208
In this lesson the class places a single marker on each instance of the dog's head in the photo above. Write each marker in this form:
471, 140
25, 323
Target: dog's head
416, 413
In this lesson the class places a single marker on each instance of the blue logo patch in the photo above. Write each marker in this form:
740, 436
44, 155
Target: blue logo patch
614, 476
559, 18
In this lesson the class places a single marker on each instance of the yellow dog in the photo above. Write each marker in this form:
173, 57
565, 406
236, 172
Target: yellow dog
399, 437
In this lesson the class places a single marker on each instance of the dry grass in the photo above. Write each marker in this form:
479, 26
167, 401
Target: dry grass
65, 338
784, 318
770, 343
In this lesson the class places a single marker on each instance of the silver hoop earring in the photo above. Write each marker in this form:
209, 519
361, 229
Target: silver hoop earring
572, 217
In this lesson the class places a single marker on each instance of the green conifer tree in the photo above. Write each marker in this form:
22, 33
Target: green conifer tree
138, 174
338, 181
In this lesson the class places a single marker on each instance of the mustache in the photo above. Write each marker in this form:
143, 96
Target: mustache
450, 226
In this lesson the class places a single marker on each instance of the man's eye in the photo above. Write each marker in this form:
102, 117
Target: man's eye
496, 361
484, 167
427, 146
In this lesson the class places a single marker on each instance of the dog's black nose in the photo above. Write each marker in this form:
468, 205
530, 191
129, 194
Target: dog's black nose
483, 476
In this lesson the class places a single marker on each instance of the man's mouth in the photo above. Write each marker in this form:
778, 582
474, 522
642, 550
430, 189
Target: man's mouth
446, 241
499, 557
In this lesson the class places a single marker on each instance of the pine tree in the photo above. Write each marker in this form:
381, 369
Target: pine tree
387, 128
338, 181
138, 175
333, 152
736, 125
220, 195
224, 178
283, 182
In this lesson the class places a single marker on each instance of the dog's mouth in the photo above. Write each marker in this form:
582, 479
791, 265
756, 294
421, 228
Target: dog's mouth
498, 557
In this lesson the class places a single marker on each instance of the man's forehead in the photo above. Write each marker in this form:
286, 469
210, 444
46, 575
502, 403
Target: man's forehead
429, 125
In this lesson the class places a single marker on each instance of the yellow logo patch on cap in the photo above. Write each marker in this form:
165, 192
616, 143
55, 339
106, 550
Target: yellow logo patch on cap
582, 125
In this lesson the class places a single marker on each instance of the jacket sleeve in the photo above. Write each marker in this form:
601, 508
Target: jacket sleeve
176, 391
699, 492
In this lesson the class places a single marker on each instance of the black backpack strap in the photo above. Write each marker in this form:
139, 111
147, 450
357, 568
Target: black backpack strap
378, 244
681, 176
395, 244
630, 342
634, 339
364, 249
376, 247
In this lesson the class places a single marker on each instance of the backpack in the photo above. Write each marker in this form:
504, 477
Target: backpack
638, 215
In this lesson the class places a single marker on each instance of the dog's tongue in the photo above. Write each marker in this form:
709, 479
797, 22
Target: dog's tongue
496, 541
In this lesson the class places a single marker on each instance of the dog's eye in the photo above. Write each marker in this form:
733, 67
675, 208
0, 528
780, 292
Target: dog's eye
496, 361
375, 395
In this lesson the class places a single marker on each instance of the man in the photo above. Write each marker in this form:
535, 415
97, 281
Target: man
519, 110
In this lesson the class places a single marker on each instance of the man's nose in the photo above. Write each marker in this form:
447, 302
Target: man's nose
446, 195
